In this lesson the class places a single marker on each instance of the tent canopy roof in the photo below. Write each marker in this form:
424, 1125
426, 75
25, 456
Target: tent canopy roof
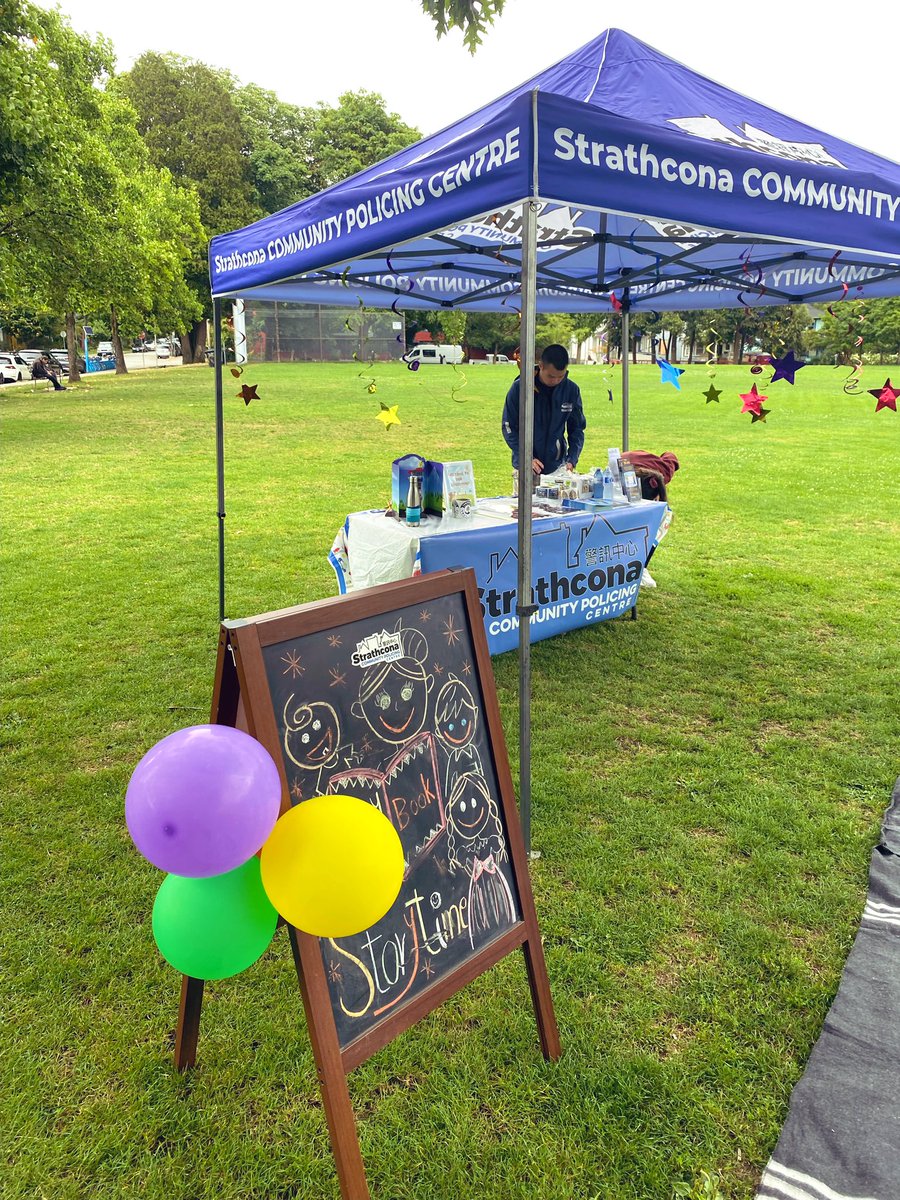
651, 181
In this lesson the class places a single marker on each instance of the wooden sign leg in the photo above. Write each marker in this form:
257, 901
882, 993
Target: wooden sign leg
188, 1022
332, 1078
539, 983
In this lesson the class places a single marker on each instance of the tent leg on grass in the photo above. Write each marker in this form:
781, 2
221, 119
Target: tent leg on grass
625, 348
525, 606
220, 450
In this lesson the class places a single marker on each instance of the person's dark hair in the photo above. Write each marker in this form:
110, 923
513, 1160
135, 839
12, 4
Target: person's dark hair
555, 356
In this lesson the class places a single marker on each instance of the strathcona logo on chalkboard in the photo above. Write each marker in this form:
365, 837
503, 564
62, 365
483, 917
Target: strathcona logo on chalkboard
379, 647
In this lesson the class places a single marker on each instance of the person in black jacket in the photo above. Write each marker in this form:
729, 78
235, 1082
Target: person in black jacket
558, 415
43, 370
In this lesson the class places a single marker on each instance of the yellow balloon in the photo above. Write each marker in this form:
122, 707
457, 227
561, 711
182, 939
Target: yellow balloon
332, 866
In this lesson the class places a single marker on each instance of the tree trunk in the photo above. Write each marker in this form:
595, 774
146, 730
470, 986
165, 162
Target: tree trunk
691, 346
672, 347
737, 346
198, 339
72, 347
193, 342
652, 349
634, 344
121, 369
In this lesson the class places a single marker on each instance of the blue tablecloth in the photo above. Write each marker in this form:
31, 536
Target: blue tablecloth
587, 566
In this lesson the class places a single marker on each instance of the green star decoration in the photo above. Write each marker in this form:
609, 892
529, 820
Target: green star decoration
712, 394
759, 416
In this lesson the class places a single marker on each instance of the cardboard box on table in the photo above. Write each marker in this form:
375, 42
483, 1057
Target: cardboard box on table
449, 488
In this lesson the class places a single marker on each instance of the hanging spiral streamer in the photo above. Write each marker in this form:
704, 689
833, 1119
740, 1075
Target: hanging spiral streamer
711, 360
457, 387
369, 381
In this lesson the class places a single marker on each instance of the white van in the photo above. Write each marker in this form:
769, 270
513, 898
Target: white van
427, 352
490, 358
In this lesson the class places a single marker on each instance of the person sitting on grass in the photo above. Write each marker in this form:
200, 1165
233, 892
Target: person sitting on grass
43, 369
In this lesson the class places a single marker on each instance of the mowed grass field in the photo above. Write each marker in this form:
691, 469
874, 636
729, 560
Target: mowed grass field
708, 786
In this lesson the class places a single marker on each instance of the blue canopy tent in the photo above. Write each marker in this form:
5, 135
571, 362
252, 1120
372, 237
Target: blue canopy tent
617, 178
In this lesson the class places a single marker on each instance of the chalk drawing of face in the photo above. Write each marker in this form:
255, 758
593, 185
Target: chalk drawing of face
312, 734
471, 812
474, 829
455, 714
393, 696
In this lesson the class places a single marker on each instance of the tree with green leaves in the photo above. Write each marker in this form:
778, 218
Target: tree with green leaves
875, 322
493, 332
453, 325
473, 17
356, 133
278, 146
98, 227
193, 128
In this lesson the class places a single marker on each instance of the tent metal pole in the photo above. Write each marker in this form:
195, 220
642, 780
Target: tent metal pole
220, 450
626, 340
525, 606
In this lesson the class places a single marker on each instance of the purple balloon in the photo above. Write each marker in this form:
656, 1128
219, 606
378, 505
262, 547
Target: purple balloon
203, 800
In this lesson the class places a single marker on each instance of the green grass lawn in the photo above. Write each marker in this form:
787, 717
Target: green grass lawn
708, 784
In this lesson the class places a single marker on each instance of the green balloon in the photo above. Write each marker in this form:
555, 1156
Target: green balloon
214, 927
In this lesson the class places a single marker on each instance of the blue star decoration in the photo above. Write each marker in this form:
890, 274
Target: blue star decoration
669, 373
786, 368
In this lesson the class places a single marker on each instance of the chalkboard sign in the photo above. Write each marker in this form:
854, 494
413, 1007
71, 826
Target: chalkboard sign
392, 710
387, 694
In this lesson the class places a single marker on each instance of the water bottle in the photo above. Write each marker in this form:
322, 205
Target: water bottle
414, 499
607, 495
597, 483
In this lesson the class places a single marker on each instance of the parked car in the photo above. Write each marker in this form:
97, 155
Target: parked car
30, 356
163, 350
105, 351
434, 354
61, 360
14, 367
490, 358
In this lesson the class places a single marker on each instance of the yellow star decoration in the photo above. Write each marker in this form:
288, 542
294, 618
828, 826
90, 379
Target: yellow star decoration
388, 416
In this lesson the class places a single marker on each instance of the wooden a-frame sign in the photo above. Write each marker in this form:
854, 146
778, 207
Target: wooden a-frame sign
388, 694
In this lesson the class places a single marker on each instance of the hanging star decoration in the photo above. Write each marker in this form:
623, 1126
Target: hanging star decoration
886, 396
712, 394
752, 400
669, 374
786, 367
759, 416
388, 416
248, 392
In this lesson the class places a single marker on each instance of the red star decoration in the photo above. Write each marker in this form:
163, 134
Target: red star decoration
886, 396
752, 400
248, 392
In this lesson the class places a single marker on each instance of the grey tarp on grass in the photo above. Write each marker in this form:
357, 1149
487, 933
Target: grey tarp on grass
841, 1140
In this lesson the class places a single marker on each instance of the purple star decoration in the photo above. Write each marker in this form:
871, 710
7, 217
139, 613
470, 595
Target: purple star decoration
786, 368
